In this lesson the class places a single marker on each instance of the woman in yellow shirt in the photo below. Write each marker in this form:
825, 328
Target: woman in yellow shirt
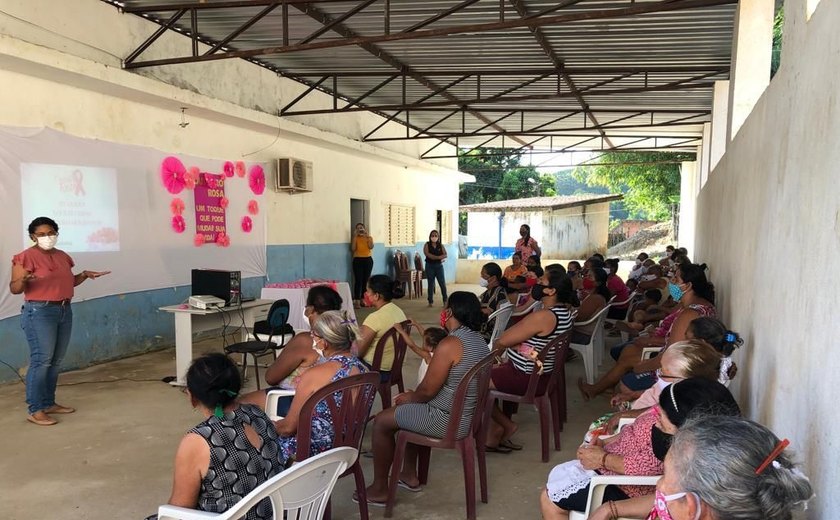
361, 245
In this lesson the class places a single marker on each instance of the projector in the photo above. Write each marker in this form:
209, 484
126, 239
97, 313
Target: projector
206, 302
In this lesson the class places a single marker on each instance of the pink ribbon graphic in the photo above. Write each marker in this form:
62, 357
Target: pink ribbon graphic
78, 187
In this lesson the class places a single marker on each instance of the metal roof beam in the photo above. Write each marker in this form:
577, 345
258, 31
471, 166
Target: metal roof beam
440, 16
355, 39
203, 4
337, 21
547, 133
242, 28
678, 147
572, 71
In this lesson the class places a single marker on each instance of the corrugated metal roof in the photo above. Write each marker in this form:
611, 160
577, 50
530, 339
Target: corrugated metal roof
541, 203
638, 75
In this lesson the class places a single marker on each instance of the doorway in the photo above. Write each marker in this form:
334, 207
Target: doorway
360, 212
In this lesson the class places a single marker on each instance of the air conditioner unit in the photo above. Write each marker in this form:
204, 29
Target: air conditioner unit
293, 175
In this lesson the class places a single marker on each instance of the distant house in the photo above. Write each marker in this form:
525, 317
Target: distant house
627, 228
566, 227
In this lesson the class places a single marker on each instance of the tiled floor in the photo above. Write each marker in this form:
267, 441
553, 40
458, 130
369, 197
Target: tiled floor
113, 458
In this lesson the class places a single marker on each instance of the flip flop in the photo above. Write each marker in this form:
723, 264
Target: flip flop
405, 485
498, 449
510, 444
370, 502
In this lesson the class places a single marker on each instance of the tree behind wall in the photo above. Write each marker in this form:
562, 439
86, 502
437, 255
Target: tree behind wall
650, 181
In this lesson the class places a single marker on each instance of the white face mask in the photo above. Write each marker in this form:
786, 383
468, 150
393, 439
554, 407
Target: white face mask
482, 282
661, 384
608, 270
648, 277
47, 243
320, 351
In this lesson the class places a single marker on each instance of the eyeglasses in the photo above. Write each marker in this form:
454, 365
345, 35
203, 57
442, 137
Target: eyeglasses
661, 375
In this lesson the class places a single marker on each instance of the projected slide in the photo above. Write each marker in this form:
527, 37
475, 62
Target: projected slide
81, 199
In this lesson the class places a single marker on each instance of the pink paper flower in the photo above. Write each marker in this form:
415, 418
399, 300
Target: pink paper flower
178, 224
191, 177
253, 207
223, 202
198, 240
239, 167
222, 239
177, 206
211, 182
172, 175
228, 168
247, 224
256, 179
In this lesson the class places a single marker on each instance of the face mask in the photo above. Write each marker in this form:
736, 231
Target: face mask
676, 292
608, 270
638, 262
305, 317
367, 300
433, 239
661, 384
482, 282
660, 506
444, 317
588, 284
538, 291
660, 442
47, 243
320, 351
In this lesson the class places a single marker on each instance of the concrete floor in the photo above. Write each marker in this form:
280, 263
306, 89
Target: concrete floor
112, 459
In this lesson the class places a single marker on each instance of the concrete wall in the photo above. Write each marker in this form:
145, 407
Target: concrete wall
768, 223
59, 68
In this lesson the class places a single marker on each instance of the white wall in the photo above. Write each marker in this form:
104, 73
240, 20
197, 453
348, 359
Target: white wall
576, 232
768, 224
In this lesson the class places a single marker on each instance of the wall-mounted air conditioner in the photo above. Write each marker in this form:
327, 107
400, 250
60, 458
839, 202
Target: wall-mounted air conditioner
293, 175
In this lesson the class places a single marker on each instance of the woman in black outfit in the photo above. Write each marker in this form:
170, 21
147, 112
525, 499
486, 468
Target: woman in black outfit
435, 255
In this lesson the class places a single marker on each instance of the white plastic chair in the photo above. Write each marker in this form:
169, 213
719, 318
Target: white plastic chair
272, 397
592, 351
301, 492
614, 303
537, 305
502, 316
599, 484
650, 352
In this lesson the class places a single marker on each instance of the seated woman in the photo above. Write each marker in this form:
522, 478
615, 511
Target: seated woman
638, 449
595, 284
696, 297
426, 409
523, 342
618, 289
495, 293
381, 290
332, 336
535, 270
229, 431
517, 268
572, 268
721, 467
297, 356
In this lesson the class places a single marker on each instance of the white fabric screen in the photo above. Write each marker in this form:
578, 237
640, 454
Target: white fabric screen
150, 254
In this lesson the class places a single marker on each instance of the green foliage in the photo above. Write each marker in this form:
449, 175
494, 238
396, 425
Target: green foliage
650, 189
778, 28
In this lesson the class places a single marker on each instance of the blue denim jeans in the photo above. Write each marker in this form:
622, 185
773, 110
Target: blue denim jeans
47, 330
435, 271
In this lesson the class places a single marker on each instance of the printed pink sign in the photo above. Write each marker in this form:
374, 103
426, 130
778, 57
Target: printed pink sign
209, 208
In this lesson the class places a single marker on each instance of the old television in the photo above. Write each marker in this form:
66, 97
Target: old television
226, 285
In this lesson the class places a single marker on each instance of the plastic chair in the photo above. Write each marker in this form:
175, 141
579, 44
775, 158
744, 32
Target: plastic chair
419, 275
403, 274
278, 317
350, 400
614, 303
551, 404
599, 484
502, 316
590, 351
301, 492
395, 377
272, 399
468, 446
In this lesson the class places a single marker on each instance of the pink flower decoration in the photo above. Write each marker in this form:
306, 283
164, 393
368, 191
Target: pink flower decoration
253, 207
222, 239
178, 224
198, 240
191, 177
247, 224
228, 169
239, 167
256, 179
223, 202
177, 206
172, 174
210, 181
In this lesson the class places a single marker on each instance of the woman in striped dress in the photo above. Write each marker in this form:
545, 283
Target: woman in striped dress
426, 409
523, 342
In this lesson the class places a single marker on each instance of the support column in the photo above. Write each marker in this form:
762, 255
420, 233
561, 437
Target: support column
752, 45
688, 206
705, 156
720, 122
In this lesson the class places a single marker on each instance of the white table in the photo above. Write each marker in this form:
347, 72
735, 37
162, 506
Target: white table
297, 302
189, 320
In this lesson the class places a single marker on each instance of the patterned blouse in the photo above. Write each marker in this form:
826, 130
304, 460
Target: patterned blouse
634, 445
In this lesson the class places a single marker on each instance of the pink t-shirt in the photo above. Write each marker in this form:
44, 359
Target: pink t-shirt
53, 274
619, 290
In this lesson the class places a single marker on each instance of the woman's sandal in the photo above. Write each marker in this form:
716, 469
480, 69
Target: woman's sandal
510, 444
501, 448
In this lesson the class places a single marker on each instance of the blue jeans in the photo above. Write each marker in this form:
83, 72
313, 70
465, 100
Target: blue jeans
47, 329
435, 271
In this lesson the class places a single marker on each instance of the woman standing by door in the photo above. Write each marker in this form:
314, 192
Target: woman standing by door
361, 245
435, 255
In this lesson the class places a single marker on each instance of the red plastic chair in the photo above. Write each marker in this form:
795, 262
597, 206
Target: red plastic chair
467, 446
551, 404
396, 377
419, 275
354, 396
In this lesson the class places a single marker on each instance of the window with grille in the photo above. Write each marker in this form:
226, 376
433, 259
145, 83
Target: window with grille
446, 227
400, 225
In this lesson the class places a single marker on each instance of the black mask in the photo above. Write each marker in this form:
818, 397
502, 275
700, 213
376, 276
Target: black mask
537, 291
660, 442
